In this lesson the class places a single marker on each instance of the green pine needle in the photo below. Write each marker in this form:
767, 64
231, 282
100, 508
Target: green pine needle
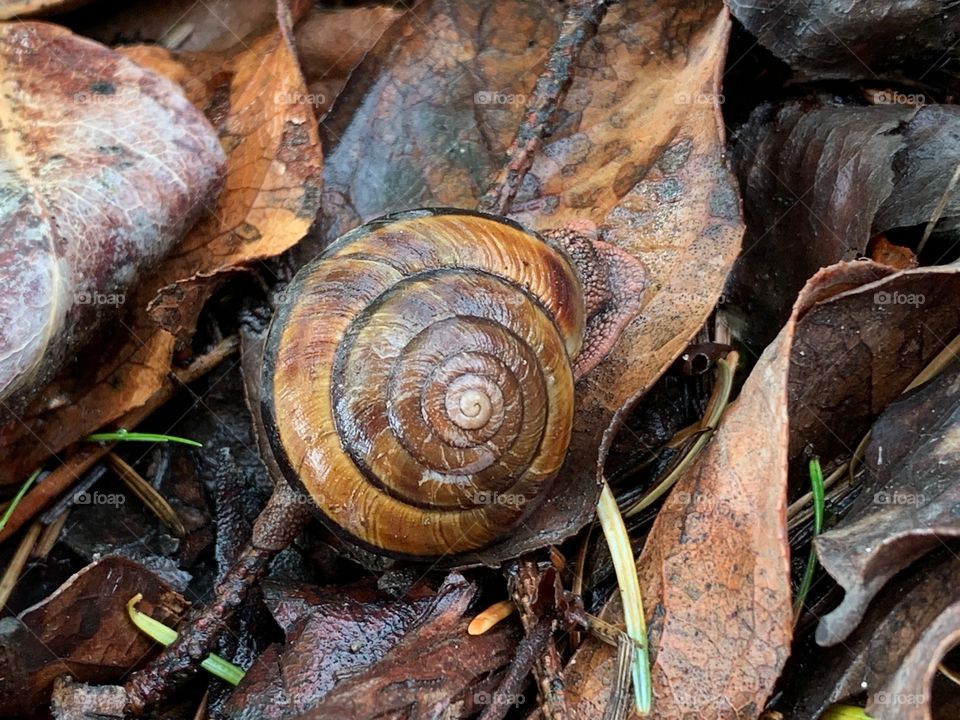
214, 664
17, 498
121, 435
838, 711
625, 569
816, 483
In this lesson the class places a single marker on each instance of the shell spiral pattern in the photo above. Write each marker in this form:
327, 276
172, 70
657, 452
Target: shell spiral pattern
419, 386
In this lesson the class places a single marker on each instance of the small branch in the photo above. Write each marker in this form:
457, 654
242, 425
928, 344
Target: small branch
529, 650
580, 24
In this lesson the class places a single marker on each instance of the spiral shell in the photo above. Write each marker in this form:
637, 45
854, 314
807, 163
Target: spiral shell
419, 385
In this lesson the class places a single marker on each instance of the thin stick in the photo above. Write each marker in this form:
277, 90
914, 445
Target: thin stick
529, 649
149, 496
17, 562
580, 24
51, 533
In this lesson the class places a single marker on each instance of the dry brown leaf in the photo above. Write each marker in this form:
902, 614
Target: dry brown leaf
272, 191
16, 9
105, 166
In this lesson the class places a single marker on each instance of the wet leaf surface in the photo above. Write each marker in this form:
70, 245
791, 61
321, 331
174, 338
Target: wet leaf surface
82, 630
907, 506
105, 167
820, 180
352, 652
868, 39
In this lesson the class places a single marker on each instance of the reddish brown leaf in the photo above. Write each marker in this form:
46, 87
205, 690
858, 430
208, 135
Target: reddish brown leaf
714, 570
105, 166
436, 670
82, 630
271, 195
332, 634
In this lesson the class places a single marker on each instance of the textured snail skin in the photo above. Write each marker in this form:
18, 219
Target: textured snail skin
419, 388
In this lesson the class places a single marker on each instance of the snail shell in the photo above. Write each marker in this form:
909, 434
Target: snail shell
419, 386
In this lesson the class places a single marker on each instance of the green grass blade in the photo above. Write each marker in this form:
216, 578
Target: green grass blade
122, 435
819, 501
17, 498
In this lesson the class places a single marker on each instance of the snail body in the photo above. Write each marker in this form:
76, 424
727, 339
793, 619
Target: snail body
419, 388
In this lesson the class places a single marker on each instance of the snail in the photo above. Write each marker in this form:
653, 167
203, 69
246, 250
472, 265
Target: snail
418, 384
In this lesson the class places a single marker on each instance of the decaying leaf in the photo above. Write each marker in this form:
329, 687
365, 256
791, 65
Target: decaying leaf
820, 181
273, 169
330, 634
435, 670
105, 166
714, 570
908, 504
258, 101
854, 38
426, 117
331, 42
870, 657
82, 630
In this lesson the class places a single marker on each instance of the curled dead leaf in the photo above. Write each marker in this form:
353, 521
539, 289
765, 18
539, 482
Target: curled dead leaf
105, 167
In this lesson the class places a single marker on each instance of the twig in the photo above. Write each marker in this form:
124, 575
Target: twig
529, 650
149, 496
49, 537
524, 581
277, 525
579, 25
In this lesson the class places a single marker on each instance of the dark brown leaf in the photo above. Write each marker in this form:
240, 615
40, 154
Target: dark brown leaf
859, 39
908, 504
82, 630
820, 181
871, 656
